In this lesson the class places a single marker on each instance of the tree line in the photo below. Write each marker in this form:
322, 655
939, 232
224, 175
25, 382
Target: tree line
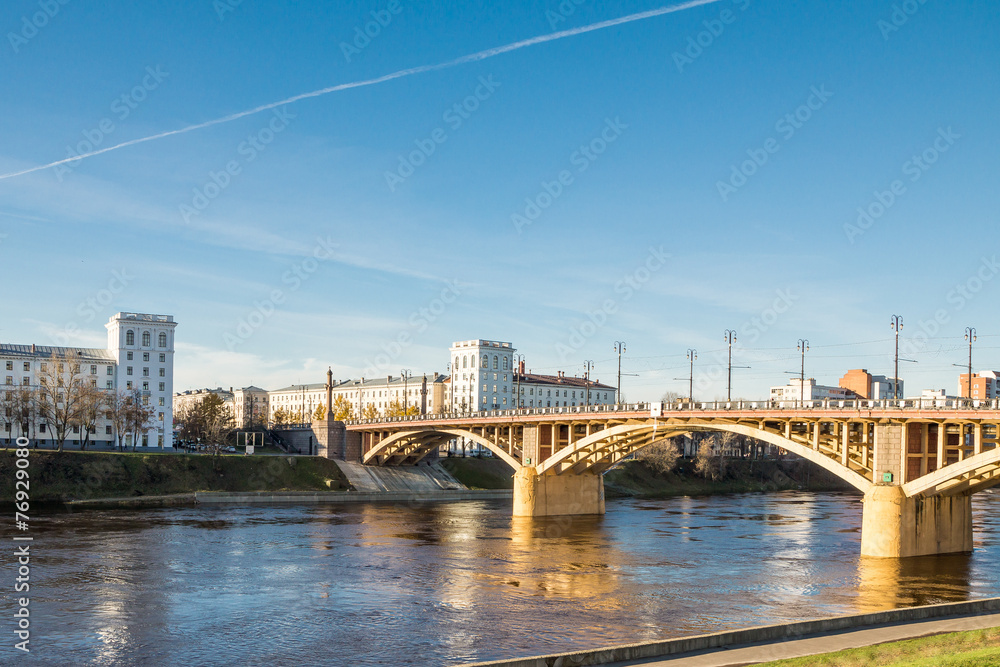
66, 401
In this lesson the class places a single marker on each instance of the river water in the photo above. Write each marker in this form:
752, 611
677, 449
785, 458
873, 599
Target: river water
445, 583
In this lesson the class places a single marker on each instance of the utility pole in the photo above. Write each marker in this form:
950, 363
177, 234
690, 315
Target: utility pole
619, 348
518, 362
896, 323
970, 335
730, 336
692, 354
587, 365
803, 346
405, 373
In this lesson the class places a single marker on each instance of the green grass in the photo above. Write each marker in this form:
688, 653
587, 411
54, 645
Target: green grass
63, 476
480, 473
976, 648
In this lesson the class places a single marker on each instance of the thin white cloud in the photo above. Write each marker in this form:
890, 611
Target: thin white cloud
473, 57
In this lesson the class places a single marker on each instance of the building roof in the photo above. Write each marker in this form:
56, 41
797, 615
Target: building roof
561, 381
46, 351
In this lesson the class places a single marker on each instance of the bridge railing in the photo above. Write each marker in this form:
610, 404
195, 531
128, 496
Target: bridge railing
706, 406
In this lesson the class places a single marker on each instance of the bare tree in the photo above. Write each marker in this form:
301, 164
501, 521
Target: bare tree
93, 403
60, 386
710, 463
119, 411
661, 456
140, 416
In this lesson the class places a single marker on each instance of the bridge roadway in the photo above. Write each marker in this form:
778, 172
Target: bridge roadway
917, 462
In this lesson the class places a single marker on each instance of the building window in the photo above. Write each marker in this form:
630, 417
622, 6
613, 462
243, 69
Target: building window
145, 339
163, 358
93, 369
25, 380
130, 337
145, 372
111, 370
145, 356
107, 429
161, 401
10, 379
41, 428
145, 440
162, 339
27, 365
129, 356
128, 370
159, 441
109, 384
10, 365
145, 386
496, 362
128, 385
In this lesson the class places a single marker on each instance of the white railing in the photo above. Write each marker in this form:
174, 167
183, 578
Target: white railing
847, 405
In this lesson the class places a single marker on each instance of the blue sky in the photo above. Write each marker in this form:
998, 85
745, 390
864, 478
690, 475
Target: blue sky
310, 255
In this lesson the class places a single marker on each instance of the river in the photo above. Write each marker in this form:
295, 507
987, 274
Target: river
444, 583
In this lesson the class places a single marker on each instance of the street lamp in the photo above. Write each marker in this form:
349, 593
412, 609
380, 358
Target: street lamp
619, 348
970, 335
451, 387
730, 336
518, 362
803, 347
587, 366
896, 323
692, 354
406, 375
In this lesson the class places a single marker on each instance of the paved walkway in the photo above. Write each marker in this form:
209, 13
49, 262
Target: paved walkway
795, 648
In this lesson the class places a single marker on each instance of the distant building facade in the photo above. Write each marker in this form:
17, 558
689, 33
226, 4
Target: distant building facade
139, 357
875, 387
808, 390
985, 385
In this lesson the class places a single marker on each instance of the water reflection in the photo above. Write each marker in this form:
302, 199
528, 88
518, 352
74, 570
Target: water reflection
888, 583
425, 584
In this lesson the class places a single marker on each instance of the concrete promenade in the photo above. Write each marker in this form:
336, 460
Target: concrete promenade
776, 642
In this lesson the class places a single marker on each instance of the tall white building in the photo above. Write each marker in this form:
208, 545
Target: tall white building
482, 373
140, 356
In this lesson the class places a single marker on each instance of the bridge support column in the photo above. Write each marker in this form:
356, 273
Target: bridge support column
556, 495
897, 526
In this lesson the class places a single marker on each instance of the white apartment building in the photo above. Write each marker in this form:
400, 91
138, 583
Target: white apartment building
139, 356
429, 393
808, 390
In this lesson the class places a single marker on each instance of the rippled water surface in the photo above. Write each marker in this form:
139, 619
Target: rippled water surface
452, 582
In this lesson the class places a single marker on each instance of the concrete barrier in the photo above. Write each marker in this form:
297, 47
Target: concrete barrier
758, 635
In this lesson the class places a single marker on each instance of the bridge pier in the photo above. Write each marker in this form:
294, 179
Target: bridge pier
897, 526
556, 495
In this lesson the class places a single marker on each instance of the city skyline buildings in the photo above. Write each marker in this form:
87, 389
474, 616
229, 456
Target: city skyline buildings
603, 187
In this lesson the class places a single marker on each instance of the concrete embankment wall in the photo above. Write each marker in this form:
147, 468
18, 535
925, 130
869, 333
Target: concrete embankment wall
758, 635
401, 479
349, 497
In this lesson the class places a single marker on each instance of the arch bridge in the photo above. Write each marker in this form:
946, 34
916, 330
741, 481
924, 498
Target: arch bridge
916, 463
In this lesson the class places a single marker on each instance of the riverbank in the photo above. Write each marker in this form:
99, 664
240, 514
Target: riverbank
637, 479
74, 476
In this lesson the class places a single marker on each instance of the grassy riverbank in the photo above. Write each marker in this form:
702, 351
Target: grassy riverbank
976, 648
637, 479
60, 477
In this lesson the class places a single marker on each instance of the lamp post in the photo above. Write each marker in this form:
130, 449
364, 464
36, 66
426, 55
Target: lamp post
970, 335
896, 323
587, 366
518, 362
692, 354
803, 346
405, 374
619, 348
451, 387
730, 336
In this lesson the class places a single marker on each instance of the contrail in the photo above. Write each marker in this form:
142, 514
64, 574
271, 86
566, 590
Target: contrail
473, 57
